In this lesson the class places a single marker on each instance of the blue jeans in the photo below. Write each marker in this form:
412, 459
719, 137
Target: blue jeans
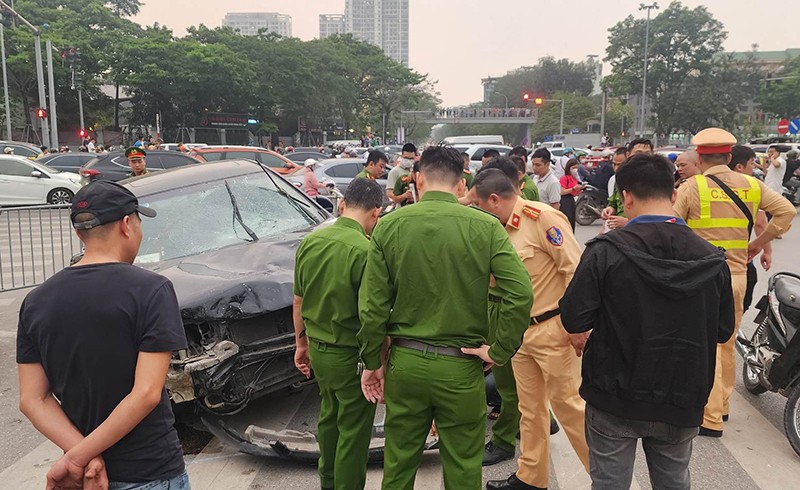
180, 482
612, 451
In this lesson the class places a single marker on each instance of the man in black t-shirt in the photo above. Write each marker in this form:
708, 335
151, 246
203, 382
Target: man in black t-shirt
93, 346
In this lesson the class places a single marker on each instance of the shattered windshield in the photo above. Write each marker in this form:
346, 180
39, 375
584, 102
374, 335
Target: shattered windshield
204, 217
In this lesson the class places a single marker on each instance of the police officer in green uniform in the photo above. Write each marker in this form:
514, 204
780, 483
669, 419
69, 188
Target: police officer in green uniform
375, 166
468, 176
327, 275
526, 185
404, 183
425, 285
136, 160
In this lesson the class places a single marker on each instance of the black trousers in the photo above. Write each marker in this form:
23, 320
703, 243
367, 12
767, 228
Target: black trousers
568, 208
752, 279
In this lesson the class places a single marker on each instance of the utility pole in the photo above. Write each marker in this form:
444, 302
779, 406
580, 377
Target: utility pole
52, 85
5, 82
37, 43
646, 45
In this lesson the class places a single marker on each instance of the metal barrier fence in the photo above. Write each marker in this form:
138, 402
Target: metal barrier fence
35, 243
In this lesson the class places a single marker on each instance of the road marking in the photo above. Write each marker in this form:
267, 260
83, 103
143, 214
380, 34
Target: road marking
770, 465
30, 471
221, 466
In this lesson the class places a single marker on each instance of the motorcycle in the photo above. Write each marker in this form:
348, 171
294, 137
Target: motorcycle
772, 355
791, 190
590, 204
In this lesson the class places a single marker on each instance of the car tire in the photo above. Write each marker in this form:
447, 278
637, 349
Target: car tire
59, 196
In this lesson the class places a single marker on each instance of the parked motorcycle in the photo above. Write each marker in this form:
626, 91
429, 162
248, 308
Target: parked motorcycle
590, 205
791, 190
772, 355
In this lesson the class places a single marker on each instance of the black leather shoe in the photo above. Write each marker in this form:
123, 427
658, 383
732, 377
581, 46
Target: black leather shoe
725, 418
709, 432
513, 483
554, 428
495, 454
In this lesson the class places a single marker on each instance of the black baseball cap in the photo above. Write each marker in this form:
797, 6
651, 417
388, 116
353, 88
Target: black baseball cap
108, 202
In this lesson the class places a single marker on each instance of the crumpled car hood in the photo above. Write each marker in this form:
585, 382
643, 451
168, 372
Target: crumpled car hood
235, 282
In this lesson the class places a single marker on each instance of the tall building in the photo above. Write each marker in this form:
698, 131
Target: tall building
383, 23
331, 25
249, 23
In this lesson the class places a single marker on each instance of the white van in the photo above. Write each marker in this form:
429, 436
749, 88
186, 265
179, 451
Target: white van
474, 140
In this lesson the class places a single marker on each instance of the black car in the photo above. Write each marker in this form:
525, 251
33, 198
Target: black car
67, 162
114, 166
226, 235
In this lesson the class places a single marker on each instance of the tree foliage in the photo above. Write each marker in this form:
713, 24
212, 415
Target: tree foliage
782, 97
280, 81
544, 79
689, 83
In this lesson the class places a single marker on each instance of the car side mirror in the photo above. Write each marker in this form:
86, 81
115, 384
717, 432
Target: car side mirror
36, 174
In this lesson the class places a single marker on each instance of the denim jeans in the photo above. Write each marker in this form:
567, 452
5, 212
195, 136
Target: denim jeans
612, 451
180, 482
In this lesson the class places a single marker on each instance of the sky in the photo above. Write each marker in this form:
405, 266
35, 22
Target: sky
458, 42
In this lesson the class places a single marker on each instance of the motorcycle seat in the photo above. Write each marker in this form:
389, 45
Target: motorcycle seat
787, 289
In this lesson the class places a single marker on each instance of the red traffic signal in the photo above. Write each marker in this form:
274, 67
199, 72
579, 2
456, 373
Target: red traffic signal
538, 101
83, 133
41, 113
526, 96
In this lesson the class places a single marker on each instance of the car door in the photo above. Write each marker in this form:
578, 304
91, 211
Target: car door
276, 163
68, 163
18, 185
343, 173
173, 160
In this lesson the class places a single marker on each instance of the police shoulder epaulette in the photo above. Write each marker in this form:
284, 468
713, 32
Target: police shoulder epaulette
404, 178
531, 212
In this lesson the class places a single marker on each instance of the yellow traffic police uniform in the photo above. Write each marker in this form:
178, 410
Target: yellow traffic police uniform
709, 211
546, 367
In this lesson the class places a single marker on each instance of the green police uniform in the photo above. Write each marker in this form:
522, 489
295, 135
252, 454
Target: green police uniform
328, 271
469, 177
401, 187
426, 279
505, 430
364, 175
615, 201
529, 190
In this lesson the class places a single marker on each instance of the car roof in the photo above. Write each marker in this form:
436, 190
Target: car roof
228, 147
189, 175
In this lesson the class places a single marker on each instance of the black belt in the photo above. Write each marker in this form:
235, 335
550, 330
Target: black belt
428, 348
545, 316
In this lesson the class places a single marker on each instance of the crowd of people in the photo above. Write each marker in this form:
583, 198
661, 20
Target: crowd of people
457, 112
474, 272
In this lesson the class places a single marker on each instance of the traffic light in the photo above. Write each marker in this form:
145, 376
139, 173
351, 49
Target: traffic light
526, 96
538, 101
83, 133
41, 113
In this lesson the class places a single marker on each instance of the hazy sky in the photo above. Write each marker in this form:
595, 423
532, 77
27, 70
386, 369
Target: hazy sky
458, 42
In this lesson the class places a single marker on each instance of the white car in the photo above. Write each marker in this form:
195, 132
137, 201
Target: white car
476, 152
24, 181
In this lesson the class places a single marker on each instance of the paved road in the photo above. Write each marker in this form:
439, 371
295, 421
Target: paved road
752, 454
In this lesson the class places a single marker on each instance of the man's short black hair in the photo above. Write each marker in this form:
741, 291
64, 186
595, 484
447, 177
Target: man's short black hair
503, 164
542, 153
465, 155
490, 153
409, 148
518, 151
639, 141
647, 177
375, 156
442, 164
621, 151
519, 161
494, 181
741, 154
364, 194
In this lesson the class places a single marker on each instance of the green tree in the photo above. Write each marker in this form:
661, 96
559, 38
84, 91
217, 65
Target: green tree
125, 8
683, 45
782, 97
545, 78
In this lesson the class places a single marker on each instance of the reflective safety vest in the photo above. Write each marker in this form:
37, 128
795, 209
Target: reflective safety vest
751, 197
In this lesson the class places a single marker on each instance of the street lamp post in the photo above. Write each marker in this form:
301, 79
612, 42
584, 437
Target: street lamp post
642, 6
37, 44
504, 96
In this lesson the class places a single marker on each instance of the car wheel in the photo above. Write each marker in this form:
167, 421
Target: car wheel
59, 196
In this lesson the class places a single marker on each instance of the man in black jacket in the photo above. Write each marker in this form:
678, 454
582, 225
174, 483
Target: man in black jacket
658, 299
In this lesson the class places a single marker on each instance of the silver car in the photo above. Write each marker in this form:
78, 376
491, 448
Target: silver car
340, 171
